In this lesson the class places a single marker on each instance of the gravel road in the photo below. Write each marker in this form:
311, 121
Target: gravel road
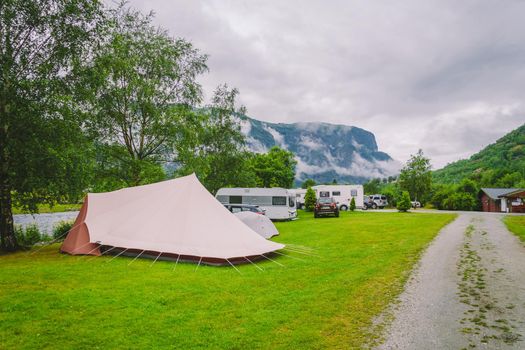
45, 222
467, 293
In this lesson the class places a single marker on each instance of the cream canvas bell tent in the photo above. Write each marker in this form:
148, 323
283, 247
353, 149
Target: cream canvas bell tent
176, 219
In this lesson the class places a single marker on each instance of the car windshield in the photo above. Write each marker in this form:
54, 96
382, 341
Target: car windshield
325, 200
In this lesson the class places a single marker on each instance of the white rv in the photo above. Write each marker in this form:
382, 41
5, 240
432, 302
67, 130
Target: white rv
278, 203
342, 194
299, 196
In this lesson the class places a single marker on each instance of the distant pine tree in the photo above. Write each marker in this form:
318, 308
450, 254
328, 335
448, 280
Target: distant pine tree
352, 204
309, 199
404, 203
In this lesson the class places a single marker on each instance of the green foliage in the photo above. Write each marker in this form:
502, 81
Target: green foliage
464, 196
415, 177
47, 292
61, 229
213, 146
501, 164
44, 152
352, 204
403, 204
275, 168
141, 84
309, 199
459, 201
372, 187
28, 236
308, 183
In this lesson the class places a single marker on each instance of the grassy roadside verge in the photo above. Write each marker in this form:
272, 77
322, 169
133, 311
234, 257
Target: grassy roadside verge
516, 224
323, 301
45, 208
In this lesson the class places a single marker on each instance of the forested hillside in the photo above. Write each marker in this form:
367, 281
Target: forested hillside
501, 164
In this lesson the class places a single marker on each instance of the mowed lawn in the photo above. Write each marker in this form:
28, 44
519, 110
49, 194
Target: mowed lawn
516, 224
54, 301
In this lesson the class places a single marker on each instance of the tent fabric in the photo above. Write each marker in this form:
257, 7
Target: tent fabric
259, 223
177, 217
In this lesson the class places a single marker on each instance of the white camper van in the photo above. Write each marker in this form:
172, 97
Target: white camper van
342, 194
299, 196
278, 203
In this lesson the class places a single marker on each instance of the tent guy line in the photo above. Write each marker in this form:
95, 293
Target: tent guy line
254, 264
157, 258
136, 257
116, 256
289, 256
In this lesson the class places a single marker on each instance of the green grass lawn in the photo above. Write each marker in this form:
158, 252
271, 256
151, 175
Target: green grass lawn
46, 208
53, 301
516, 224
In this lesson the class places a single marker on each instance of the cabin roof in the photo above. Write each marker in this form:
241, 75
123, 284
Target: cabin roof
496, 193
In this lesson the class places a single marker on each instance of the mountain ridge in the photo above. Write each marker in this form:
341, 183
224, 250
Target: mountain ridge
505, 156
323, 151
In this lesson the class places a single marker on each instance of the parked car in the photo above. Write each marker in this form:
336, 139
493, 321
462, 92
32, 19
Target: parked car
326, 206
415, 204
379, 200
368, 203
236, 208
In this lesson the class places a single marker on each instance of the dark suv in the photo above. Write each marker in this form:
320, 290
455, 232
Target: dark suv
326, 206
236, 208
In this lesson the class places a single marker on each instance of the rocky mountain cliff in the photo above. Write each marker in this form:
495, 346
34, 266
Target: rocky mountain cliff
324, 152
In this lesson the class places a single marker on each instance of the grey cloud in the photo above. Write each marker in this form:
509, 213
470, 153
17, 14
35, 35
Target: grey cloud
441, 75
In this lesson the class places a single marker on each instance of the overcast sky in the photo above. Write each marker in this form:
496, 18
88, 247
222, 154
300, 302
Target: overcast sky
446, 76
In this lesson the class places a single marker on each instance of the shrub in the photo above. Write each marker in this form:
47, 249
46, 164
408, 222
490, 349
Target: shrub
403, 204
309, 199
28, 236
352, 204
61, 229
460, 201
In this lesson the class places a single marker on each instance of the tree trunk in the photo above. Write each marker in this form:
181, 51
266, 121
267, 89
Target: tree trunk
7, 232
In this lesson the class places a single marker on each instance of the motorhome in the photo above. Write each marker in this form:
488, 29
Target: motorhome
299, 196
278, 203
342, 194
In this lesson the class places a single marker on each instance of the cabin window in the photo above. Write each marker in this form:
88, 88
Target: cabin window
291, 201
336, 193
279, 200
223, 199
353, 193
324, 194
257, 200
235, 199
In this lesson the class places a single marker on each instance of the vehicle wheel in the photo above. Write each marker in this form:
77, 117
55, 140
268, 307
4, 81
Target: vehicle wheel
344, 208
374, 206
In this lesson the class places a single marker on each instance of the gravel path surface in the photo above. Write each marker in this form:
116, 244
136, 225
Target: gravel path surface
45, 222
467, 293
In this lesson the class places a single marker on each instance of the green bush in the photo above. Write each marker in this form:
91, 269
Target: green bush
460, 201
403, 204
352, 204
61, 229
28, 236
309, 199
